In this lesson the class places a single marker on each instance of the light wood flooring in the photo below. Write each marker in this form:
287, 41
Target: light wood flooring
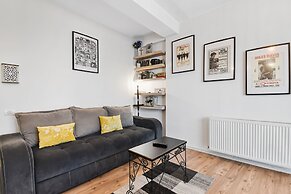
230, 177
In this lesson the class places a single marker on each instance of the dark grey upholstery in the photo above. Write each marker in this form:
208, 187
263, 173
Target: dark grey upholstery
80, 175
149, 123
16, 165
56, 160
59, 168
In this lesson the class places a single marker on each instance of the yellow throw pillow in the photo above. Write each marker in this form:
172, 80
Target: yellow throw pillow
54, 135
109, 124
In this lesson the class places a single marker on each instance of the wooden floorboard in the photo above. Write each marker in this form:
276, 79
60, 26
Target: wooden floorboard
230, 177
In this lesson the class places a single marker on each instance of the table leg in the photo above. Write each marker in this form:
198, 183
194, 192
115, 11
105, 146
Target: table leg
185, 167
133, 169
152, 179
130, 179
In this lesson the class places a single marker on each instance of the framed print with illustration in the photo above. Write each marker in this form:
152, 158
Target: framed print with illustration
85, 53
219, 60
183, 54
268, 70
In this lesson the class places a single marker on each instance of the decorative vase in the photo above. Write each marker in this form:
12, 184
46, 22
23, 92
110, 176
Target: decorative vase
136, 52
140, 50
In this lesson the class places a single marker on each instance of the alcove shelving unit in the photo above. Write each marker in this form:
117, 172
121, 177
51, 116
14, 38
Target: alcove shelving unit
151, 72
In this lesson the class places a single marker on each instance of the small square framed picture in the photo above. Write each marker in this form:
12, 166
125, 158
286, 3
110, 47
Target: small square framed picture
268, 70
219, 60
183, 54
10, 73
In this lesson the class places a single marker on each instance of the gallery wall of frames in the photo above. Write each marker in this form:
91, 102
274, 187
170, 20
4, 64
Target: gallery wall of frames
267, 67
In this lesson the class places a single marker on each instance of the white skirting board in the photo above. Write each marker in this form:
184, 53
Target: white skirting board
259, 164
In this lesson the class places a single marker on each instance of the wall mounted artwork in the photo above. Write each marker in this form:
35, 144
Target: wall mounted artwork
219, 60
10, 73
183, 54
268, 70
85, 53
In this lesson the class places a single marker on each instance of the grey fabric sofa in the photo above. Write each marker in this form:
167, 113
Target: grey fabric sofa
28, 169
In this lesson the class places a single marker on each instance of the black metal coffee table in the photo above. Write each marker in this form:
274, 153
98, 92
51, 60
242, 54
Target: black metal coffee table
147, 157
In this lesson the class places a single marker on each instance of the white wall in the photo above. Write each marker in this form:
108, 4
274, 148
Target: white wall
190, 101
36, 34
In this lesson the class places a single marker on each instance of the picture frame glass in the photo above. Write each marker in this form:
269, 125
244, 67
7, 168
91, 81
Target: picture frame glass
268, 70
219, 60
183, 52
85, 53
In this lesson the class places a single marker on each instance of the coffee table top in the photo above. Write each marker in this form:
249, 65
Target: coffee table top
148, 151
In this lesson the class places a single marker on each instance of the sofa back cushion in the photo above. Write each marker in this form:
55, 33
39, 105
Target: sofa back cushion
87, 120
124, 112
29, 121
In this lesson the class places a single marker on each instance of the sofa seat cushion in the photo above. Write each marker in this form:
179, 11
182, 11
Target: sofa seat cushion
56, 160
139, 135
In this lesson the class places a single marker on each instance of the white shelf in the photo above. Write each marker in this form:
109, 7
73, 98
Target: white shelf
161, 107
150, 67
148, 79
151, 94
150, 55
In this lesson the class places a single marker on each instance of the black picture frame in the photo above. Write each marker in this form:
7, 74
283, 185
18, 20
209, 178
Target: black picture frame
88, 60
225, 65
189, 43
270, 65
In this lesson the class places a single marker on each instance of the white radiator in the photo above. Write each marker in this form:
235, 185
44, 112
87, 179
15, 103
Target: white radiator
267, 142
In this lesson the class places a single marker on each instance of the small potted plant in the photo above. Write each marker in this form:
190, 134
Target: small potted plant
137, 45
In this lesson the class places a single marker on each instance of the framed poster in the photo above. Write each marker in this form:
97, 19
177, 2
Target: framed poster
219, 60
10, 73
183, 54
85, 53
268, 70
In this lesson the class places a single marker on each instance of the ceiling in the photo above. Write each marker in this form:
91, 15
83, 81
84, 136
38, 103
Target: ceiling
135, 18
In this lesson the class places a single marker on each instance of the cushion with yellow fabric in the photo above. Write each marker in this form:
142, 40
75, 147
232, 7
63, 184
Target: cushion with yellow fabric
109, 124
54, 135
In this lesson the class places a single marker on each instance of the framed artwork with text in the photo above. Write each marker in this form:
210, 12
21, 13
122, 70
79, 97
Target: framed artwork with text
268, 70
219, 60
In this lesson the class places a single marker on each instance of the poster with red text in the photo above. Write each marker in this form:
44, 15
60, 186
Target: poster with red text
268, 70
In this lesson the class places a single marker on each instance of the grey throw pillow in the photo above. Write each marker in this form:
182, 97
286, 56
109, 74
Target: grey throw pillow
124, 112
29, 121
87, 120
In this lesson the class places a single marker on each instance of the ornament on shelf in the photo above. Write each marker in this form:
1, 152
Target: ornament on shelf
137, 46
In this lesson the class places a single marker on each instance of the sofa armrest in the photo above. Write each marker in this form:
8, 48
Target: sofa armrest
16, 165
149, 123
